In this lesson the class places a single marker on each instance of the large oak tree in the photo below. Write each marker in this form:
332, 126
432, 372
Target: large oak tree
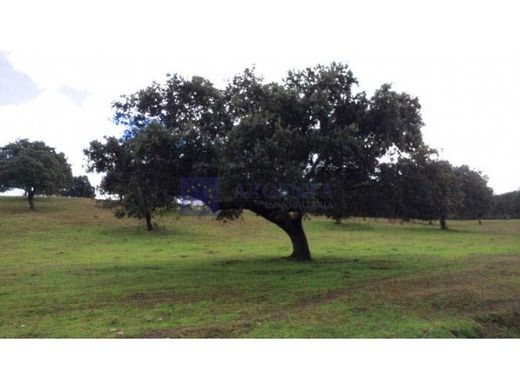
282, 144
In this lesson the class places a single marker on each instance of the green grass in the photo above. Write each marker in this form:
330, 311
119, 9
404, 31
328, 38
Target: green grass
71, 269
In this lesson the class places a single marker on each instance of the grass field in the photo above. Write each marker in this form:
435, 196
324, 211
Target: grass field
71, 269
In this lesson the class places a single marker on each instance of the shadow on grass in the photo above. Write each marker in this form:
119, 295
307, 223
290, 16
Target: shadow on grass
139, 231
253, 273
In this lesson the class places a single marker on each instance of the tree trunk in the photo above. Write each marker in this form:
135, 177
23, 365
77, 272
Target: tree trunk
148, 218
444, 226
30, 198
480, 221
299, 242
291, 223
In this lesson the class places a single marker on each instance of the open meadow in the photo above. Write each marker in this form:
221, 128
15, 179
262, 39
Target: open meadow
71, 269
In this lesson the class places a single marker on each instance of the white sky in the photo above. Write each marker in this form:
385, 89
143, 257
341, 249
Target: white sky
461, 59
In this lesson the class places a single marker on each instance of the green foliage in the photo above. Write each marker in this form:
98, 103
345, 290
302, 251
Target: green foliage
407, 190
477, 196
445, 192
506, 205
33, 167
80, 188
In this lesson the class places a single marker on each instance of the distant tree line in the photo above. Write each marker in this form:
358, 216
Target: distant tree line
419, 188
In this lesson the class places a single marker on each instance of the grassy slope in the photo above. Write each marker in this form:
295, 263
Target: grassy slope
73, 270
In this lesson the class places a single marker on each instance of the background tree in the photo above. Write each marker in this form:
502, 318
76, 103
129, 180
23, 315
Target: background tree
357, 202
506, 205
477, 197
421, 187
80, 187
446, 194
142, 171
275, 139
33, 167
406, 190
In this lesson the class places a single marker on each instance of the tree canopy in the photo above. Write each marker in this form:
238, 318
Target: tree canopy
33, 167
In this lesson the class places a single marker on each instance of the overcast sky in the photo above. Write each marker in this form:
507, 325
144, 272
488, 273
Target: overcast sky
62, 63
